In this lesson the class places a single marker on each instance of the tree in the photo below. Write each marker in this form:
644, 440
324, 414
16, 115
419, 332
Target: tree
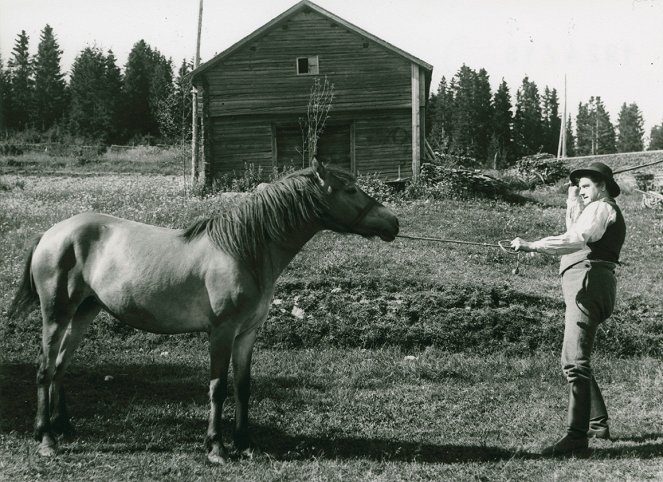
95, 89
4, 96
49, 86
631, 129
441, 114
21, 85
503, 124
174, 112
605, 131
483, 115
147, 82
595, 133
656, 138
527, 122
570, 140
551, 121
584, 131
471, 114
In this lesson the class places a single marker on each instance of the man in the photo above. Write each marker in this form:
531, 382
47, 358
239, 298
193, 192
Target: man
590, 247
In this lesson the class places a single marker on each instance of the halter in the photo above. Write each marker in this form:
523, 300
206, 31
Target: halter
364, 212
361, 215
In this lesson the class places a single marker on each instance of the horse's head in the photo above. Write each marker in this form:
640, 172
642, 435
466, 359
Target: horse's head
351, 210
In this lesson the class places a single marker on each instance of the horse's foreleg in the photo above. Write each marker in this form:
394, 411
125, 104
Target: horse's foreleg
220, 349
242, 351
60, 417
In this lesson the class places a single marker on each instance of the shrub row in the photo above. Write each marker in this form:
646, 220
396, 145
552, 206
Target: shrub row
406, 314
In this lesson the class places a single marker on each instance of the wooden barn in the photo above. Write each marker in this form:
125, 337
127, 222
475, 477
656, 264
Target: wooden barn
253, 96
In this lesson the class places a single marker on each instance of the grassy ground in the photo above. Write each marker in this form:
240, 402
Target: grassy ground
474, 405
335, 415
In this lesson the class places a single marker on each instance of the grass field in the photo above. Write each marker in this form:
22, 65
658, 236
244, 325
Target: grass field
337, 394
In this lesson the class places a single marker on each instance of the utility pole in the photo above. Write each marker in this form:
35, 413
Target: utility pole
561, 146
195, 150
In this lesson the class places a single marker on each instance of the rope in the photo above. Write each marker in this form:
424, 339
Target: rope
504, 245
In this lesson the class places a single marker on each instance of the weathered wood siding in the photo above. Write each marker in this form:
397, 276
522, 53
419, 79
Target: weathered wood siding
381, 141
254, 99
261, 76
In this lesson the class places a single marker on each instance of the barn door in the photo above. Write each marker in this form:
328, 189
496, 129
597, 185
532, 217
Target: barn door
334, 146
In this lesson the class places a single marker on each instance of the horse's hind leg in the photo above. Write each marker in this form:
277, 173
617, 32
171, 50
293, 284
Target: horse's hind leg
55, 323
86, 312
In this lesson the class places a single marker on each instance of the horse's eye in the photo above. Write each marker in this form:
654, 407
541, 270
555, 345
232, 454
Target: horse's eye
351, 189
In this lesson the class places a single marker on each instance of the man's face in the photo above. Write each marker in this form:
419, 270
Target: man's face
589, 190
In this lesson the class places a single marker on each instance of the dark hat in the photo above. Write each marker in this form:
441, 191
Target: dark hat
600, 169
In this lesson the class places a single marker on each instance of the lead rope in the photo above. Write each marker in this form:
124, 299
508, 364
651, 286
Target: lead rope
504, 245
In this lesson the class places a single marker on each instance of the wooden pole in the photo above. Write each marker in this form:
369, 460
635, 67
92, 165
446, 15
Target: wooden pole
195, 149
561, 145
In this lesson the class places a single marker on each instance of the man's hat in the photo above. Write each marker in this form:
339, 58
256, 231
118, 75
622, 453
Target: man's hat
600, 169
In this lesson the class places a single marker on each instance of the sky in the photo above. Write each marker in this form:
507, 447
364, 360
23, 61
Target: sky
607, 48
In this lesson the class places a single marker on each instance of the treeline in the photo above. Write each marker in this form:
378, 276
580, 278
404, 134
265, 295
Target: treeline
466, 118
143, 103
148, 102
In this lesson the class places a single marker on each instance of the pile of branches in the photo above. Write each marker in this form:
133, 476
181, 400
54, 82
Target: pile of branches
458, 182
541, 169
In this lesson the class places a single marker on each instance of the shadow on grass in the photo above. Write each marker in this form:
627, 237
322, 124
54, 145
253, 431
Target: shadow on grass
102, 412
134, 413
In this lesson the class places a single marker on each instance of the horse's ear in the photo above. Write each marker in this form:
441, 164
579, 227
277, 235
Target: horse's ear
319, 170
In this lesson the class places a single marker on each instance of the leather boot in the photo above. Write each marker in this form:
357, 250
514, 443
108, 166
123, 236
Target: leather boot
575, 439
598, 417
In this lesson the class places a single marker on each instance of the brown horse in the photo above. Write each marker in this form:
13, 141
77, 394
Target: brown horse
217, 276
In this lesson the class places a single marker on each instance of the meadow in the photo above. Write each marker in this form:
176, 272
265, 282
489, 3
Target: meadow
404, 361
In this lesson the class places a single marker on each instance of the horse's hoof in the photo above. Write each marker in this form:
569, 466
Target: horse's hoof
250, 453
47, 450
215, 458
217, 453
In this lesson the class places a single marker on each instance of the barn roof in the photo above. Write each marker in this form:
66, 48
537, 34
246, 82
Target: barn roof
303, 5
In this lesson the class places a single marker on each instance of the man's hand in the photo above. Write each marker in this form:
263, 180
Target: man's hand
520, 244
573, 192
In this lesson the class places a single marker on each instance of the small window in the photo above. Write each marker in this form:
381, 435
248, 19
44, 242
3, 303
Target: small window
307, 65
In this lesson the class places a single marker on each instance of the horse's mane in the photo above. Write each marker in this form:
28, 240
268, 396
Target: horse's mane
280, 208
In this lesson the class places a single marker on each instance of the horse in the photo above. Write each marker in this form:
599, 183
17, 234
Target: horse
215, 276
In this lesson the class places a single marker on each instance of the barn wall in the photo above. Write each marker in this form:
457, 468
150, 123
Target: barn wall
382, 141
261, 76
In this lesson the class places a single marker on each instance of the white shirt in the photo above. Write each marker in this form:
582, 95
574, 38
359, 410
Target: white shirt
581, 228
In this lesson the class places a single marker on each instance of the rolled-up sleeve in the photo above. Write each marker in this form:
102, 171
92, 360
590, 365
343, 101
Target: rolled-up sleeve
589, 227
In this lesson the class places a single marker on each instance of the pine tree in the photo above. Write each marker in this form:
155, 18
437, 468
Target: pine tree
527, 122
95, 89
606, 142
570, 139
4, 96
147, 82
462, 138
584, 131
656, 138
631, 129
483, 116
551, 121
503, 124
21, 85
49, 93
114, 92
441, 117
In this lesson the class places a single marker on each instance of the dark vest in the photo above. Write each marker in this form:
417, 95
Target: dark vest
605, 249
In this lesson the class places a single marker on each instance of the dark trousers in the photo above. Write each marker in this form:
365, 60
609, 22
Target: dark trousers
589, 289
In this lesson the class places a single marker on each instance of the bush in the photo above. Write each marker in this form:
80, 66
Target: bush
460, 183
541, 169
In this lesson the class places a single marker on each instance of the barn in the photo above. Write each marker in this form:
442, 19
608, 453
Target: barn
253, 97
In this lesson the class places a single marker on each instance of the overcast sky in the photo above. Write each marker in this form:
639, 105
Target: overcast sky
609, 48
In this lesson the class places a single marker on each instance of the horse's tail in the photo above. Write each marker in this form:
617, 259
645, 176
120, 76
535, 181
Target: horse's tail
26, 295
